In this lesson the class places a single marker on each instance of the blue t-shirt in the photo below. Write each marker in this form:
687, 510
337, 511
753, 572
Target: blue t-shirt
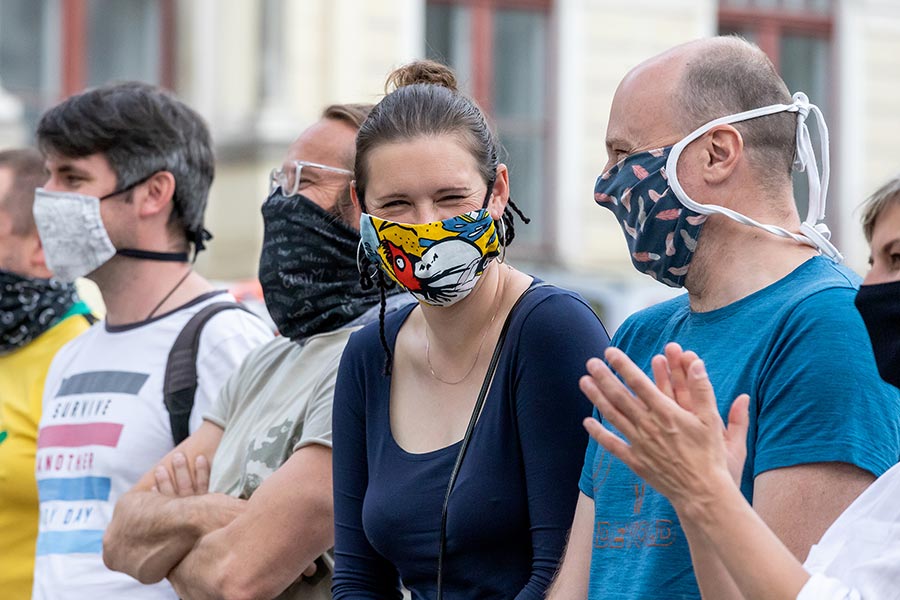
800, 349
516, 492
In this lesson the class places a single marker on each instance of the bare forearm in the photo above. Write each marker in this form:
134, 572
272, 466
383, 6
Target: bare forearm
571, 580
713, 579
724, 525
285, 528
149, 533
248, 559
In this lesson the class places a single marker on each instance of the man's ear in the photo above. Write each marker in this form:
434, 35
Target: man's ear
160, 190
722, 152
499, 193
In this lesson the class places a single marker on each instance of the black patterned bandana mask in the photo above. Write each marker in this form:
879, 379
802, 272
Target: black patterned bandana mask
29, 307
307, 268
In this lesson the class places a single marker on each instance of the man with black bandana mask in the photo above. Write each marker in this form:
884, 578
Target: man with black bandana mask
38, 315
130, 168
269, 433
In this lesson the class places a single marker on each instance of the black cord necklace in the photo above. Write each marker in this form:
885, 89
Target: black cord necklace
169, 295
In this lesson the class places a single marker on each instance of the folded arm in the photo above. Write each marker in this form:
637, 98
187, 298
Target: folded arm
287, 524
152, 528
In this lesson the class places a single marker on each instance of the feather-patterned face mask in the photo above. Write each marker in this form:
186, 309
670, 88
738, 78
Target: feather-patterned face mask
662, 222
660, 232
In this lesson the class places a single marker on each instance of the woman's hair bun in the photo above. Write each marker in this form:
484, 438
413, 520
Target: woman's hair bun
421, 71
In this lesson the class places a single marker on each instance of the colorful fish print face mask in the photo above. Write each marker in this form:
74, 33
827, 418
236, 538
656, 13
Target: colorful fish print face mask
439, 263
660, 232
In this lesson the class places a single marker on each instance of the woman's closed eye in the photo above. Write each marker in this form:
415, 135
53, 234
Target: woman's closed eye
394, 203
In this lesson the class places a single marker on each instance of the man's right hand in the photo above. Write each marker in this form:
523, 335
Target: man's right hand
181, 482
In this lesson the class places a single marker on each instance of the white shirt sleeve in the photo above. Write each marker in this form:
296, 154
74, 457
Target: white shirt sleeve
226, 340
858, 558
820, 587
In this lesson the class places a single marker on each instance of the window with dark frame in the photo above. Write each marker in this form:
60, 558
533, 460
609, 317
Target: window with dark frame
51, 50
500, 52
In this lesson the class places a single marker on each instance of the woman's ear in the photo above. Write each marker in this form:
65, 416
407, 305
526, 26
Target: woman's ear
500, 193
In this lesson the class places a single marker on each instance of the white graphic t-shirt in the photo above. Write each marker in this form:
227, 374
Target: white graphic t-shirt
104, 425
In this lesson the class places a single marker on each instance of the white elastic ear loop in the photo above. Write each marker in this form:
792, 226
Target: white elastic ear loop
816, 240
818, 188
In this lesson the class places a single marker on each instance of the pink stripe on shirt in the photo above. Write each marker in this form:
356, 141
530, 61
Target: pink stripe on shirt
88, 434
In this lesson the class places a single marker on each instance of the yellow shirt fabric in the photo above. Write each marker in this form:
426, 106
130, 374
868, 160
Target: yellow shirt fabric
22, 375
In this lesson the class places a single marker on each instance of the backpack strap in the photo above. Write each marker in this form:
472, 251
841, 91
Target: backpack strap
180, 383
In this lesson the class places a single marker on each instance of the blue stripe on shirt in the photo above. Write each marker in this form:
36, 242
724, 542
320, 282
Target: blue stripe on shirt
85, 541
77, 488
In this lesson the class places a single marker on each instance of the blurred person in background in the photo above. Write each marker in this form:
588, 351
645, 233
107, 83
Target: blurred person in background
701, 143
129, 173
38, 314
268, 435
677, 422
408, 509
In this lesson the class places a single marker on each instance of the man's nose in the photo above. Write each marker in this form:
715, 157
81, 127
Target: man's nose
52, 185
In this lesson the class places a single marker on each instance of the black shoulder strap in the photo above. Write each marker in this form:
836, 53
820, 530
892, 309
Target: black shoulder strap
464, 446
180, 383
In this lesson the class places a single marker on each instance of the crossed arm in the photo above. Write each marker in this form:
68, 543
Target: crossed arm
168, 526
286, 525
153, 528
682, 449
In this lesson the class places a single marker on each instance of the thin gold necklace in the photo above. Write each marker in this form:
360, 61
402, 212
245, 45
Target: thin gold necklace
480, 345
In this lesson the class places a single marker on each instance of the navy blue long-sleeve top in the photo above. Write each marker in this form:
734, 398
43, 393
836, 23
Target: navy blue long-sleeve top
515, 495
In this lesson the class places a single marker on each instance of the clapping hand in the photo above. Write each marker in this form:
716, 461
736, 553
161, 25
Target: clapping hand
674, 435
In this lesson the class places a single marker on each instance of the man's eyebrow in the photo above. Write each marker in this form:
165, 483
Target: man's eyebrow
613, 141
67, 168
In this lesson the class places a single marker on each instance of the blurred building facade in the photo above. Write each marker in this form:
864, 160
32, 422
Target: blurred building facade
260, 71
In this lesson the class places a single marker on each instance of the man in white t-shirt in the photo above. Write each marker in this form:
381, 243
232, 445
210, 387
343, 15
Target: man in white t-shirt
269, 432
129, 173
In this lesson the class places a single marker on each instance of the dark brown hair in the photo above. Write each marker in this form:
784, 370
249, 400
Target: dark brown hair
425, 102
140, 129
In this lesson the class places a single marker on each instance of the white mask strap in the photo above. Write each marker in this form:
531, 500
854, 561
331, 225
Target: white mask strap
812, 233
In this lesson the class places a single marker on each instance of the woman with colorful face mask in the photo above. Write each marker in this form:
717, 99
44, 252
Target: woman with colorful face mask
429, 484
681, 448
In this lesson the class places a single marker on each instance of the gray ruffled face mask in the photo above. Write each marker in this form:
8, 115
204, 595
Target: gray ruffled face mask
72, 233
75, 240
